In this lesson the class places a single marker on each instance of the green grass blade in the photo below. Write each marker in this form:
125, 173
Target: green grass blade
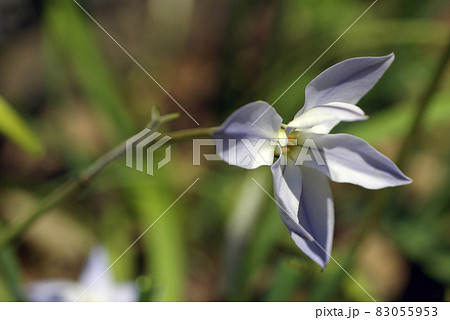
71, 33
15, 128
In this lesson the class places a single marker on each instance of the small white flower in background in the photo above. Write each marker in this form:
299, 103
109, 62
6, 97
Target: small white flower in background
105, 290
303, 195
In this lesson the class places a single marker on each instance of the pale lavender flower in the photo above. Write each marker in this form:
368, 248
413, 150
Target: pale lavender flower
104, 290
301, 188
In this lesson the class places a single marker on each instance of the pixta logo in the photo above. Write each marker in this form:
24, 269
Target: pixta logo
139, 143
248, 152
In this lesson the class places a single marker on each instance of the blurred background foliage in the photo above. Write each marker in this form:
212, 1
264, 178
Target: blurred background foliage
69, 94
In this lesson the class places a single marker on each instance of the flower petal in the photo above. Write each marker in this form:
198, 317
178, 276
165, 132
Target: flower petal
125, 292
351, 159
347, 81
240, 132
316, 215
287, 186
96, 265
50, 291
323, 118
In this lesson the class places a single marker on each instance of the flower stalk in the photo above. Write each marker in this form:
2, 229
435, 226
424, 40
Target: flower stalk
85, 177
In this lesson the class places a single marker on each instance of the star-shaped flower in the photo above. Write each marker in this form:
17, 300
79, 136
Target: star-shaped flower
104, 290
302, 154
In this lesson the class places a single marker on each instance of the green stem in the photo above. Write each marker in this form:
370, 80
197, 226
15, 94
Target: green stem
196, 133
86, 176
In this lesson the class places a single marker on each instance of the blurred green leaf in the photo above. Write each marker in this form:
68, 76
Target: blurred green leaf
16, 129
353, 291
163, 243
394, 122
334, 284
115, 218
395, 32
10, 275
240, 228
269, 230
71, 33
327, 284
422, 235
289, 275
